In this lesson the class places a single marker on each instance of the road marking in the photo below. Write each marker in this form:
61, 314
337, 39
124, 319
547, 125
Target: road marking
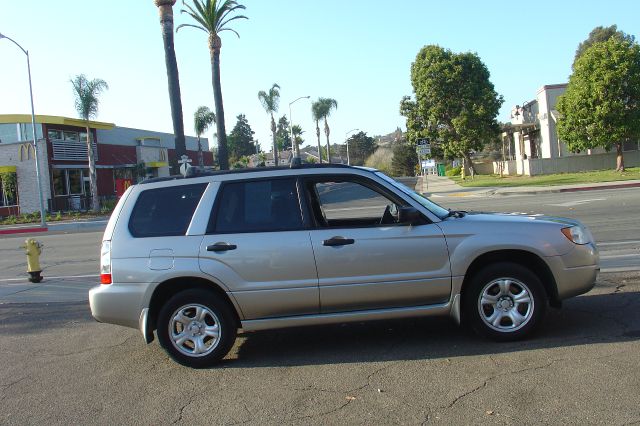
577, 202
50, 278
617, 243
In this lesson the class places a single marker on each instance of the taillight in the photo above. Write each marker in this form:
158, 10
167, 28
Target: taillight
105, 263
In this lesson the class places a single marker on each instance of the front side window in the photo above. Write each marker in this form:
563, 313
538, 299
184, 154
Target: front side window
165, 211
345, 203
257, 206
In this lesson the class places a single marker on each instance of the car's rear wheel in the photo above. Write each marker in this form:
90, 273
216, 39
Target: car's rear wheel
196, 328
505, 301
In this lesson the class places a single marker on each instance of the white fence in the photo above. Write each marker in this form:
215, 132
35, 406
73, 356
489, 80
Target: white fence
576, 163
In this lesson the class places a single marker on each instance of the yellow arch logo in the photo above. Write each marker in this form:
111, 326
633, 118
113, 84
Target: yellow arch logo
27, 151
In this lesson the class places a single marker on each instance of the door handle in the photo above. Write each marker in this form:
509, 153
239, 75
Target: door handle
338, 241
221, 247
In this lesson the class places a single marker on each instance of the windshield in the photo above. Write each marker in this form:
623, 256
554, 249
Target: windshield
430, 205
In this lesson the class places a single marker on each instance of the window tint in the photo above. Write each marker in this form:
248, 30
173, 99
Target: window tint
257, 206
349, 204
165, 211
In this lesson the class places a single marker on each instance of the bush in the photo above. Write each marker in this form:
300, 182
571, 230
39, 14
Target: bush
381, 160
454, 171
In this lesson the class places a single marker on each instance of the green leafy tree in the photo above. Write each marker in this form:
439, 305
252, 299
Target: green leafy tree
203, 118
404, 160
598, 35
283, 137
321, 109
297, 132
241, 139
455, 103
86, 94
213, 17
270, 101
601, 107
361, 147
165, 9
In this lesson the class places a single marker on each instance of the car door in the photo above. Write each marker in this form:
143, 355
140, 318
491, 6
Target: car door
367, 260
257, 246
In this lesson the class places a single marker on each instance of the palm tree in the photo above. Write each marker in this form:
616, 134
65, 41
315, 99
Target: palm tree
324, 108
270, 101
165, 8
86, 96
202, 119
212, 17
297, 132
316, 113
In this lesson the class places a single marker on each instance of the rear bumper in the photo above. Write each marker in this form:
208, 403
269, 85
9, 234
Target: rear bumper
119, 304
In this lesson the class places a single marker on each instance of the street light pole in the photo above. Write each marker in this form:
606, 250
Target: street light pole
295, 144
43, 222
346, 141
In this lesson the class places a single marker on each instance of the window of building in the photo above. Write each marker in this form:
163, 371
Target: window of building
165, 211
257, 206
8, 189
70, 182
70, 145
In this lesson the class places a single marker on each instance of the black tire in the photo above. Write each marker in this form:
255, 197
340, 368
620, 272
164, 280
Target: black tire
514, 304
199, 347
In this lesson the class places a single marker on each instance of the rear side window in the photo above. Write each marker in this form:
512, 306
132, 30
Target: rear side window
257, 206
165, 212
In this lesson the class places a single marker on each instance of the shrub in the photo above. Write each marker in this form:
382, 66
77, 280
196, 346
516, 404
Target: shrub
454, 171
380, 159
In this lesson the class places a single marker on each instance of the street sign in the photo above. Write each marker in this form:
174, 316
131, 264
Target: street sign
423, 141
184, 161
424, 150
428, 163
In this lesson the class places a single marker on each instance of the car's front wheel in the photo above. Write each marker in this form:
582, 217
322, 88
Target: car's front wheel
504, 301
196, 328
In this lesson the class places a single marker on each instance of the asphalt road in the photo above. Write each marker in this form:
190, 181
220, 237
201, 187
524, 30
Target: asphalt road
61, 367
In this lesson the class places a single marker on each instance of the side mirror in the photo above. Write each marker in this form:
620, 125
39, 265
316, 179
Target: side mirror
409, 215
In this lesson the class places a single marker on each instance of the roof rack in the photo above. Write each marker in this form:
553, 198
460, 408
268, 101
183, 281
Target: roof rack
193, 172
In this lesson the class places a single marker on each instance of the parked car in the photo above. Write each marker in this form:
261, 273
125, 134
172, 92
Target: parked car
197, 258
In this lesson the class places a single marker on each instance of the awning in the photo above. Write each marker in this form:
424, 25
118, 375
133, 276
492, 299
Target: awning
156, 164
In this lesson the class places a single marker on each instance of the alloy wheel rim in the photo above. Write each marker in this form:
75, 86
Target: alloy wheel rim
506, 305
194, 330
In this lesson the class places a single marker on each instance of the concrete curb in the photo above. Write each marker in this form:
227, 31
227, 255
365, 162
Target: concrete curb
501, 191
22, 230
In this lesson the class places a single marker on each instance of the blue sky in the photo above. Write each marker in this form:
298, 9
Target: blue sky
358, 52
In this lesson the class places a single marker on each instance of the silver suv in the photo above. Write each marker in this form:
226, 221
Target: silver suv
198, 258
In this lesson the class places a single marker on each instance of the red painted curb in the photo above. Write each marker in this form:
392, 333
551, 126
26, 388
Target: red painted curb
591, 188
22, 230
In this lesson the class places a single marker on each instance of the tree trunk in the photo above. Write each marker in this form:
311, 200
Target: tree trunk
200, 157
166, 22
275, 144
619, 158
215, 44
93, 178
319, 147
467, 157
326, 132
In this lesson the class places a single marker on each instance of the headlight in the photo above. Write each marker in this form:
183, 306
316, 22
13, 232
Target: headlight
577, 234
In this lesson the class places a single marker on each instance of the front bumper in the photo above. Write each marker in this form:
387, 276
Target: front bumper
576, 271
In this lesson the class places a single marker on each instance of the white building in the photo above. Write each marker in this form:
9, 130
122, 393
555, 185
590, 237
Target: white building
533, 146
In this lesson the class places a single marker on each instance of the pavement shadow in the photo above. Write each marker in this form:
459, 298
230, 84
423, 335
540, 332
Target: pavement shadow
27, 318
582, 320
590, 319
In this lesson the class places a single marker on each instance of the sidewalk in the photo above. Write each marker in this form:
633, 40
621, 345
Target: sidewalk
441, 186
85, 225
